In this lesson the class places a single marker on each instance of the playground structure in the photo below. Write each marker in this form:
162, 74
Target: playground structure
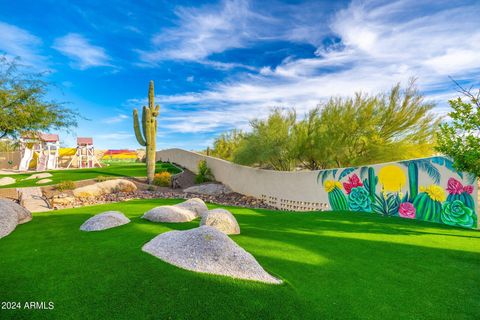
43, 147
85, 154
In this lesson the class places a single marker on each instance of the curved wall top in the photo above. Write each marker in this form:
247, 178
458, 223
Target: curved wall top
427, 189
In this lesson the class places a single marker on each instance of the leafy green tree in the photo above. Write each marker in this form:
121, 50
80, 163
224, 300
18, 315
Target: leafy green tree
460, 138
343, 132
365, 129
24, 105
225, 145
311, 142
270, 144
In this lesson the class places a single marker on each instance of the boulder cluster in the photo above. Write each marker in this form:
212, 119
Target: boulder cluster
205, 249
220, 219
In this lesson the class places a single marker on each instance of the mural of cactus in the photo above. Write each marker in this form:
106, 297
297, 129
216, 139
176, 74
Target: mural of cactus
386, 204
372, 183
337, 199
147, 134
359, 200
428, 203
392, 189
456, 191
412, 180
457, 213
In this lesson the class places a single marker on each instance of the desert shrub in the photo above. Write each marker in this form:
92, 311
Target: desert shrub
65, 185
204, 173
101, 178
162, 179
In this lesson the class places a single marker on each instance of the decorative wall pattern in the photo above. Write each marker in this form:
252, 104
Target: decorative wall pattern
427, 189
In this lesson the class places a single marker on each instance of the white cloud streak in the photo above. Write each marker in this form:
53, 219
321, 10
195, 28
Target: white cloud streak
381, 44
83, 54
118, 118
16, 42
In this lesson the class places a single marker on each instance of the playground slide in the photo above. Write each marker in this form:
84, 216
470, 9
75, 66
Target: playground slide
41, 162
25, 162
51, 163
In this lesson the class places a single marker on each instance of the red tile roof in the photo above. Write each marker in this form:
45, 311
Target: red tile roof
84, 141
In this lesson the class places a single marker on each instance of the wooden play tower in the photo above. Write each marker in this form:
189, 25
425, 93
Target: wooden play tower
85, 155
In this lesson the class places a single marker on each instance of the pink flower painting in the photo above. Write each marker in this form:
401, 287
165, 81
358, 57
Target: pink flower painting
406, 210
455, 187
353, 182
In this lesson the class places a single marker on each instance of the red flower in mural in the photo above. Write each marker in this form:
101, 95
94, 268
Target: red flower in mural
407, 210
468, 189
455, 187
353, 182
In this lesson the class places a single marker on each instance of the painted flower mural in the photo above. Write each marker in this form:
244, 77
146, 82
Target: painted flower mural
459, 192
456, 213
394, 190
407, 210
428, 203
353, 182
359, 199
337, 199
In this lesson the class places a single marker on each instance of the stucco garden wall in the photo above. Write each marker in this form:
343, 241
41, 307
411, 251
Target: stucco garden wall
427, 189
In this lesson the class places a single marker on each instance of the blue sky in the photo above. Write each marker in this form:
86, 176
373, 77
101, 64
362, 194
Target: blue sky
218, 64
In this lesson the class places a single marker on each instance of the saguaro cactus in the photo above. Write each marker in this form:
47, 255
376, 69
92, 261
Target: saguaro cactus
147, 136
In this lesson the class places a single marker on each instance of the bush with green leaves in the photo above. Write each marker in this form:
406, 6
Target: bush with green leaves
459, 138
204, 173
101, 178
162, 179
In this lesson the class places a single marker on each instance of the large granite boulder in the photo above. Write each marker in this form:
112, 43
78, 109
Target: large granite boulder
8, 221
222, 220
211, 189
105, 187
205, 249
169, 214
11, 214
105, 220
5, 181
23, 215
196, 205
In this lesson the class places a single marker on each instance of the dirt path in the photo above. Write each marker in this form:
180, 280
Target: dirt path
32, 199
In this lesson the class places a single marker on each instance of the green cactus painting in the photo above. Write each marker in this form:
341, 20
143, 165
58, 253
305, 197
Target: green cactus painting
147, 135
337, 199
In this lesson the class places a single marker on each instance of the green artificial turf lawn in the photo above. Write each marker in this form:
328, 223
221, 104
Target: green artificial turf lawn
125, 169
335, 265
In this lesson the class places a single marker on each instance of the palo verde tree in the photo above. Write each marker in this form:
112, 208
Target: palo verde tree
270, 143
343, 131
24, 105
460, 137
147, 134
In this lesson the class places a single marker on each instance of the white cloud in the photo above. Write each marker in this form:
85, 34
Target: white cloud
16, 42
190, 78
118, 118
203, 31
380, 44
83, 54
